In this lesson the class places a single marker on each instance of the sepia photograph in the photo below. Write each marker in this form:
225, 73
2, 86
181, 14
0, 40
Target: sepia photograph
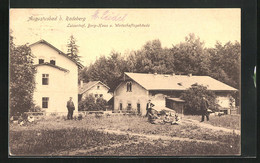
124, 82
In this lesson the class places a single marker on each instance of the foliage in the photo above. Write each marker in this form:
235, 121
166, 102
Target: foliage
193, 99
90, 103
191, 57
22, 82
225, 63
36, 109
221, 62
73, 49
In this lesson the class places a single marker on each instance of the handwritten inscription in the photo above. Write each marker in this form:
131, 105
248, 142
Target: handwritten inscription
108, 15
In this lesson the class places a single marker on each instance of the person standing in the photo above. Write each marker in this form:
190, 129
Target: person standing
71, 108
204, 109
149, 106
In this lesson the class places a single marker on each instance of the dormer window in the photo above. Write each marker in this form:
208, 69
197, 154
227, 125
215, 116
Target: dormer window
52, 62
41, 61
129, 87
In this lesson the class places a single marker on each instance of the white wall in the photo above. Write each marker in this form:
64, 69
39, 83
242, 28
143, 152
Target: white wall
102, 90
138, 95
224, 101
62, 85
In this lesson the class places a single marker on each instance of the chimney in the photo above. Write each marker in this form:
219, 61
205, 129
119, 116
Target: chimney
81, 83
190, 75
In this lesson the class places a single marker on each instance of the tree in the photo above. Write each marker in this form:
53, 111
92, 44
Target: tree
73, 49
22, 82
193, 99
191, 57
226, 59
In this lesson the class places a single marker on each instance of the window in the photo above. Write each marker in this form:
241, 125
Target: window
41, 61
129, 106
101, 95
98, 87
129, 87
45, 102
52, 62
96, 95
45, 79
138, 108
120, 106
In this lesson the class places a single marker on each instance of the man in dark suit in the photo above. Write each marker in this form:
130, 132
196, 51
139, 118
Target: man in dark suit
71, 108
204, 109
149, 106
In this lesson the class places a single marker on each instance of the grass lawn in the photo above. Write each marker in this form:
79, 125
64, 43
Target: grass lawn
228, 121
52, 135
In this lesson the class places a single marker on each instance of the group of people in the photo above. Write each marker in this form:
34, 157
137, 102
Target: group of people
204, 109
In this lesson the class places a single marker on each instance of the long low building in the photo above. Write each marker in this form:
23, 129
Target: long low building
133, 93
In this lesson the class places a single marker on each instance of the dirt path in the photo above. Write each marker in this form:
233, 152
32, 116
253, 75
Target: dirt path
209, 126
155, 136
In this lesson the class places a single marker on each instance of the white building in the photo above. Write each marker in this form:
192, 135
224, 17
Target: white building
133, 93
95, 88
56, 78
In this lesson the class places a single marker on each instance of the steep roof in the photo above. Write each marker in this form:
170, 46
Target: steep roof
54, 66
177, 82
88, 85
59, 51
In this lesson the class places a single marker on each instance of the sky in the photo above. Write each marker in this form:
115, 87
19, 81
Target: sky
100, 31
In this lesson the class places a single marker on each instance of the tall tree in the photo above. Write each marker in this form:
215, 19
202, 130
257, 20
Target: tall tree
226, 59
73, 49
22, 82
190, 56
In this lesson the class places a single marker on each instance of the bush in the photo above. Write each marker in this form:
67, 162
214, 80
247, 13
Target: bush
92, 104
36, 109
193, 99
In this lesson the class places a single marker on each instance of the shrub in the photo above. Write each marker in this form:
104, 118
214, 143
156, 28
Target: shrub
193, 99
92, 104
36, 109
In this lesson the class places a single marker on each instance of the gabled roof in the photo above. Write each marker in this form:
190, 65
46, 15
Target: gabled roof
89, 85
177, 82
49, 64
59, 51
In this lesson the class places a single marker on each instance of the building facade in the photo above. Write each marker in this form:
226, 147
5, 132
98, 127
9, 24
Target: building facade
95, 88
133, 93
56, 78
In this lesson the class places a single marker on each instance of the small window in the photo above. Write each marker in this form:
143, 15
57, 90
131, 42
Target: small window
45, 102
45, 79
129, 106
138, 108
129, 86
41, 61
98, 87
101, 95
120, 106
96, 95
52, 62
